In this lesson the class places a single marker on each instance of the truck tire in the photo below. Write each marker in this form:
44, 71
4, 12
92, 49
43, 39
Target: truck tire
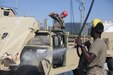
110, 64
110, 73
27, 70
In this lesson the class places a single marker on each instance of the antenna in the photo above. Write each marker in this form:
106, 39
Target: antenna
17, 6
82, 8
72, 19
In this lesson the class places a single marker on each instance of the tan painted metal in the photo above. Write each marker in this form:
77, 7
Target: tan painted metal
15, 32
108, 38
4, 11
71, 62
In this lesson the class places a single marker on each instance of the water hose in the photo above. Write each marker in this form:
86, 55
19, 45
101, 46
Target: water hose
84, 23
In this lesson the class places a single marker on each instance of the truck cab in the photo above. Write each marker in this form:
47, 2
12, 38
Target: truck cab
49, 51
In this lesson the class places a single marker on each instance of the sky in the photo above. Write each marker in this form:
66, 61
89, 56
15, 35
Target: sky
40, 9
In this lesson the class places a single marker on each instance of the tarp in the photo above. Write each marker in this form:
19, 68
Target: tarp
108, 28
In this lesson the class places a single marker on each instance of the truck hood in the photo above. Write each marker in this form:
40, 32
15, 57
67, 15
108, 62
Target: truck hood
15, 32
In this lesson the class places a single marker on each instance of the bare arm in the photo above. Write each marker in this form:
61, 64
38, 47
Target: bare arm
56, 17
89, 56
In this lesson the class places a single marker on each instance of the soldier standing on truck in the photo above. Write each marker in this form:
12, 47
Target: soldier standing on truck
96, 56
58, 19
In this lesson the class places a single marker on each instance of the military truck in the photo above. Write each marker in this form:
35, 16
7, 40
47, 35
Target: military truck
24, 48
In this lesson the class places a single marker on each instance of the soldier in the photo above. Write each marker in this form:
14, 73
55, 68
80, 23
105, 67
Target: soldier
96, 56
58, 19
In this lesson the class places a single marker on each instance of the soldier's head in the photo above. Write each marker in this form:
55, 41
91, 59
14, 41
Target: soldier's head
97, 28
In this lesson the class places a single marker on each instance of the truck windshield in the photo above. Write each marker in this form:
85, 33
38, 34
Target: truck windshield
40, 39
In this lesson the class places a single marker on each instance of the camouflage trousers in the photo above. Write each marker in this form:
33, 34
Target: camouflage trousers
96, 71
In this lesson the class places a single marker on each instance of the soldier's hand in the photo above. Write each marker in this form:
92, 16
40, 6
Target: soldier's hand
52, 13
87, 44
78, 41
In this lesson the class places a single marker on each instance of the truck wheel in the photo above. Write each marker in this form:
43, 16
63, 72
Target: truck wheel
110, 64
110, 73
27, 70
76, 71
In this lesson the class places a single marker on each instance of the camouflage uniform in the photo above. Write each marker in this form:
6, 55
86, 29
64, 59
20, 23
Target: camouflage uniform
96, 71
99, 48
58, 21
58, 24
